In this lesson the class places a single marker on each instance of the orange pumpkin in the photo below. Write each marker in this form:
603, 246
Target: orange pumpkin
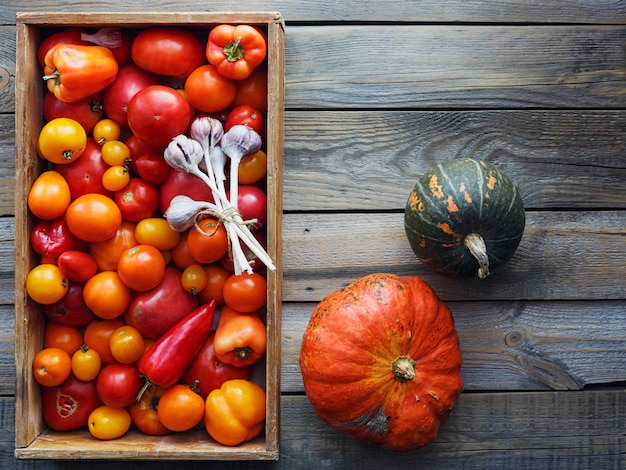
380, 360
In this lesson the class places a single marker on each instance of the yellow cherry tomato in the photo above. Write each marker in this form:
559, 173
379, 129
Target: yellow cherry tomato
194, 279
49, 196
108, 423
115, 178
115, 152
46, 284
105, 130
86, 363
61, 141
156, 231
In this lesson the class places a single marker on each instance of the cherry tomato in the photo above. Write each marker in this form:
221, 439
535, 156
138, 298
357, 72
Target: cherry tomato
115, 178
93, 217
119, 384
180, 408
252, 168
208, 91
252, 204
216, 277
115, 98
106, 295
86, 363
246, 115
107, 253
157, 232
141, 267
137, 200
144, 412
62, 141
97, 336
207, 242
106, 129
245, 292
65, 337
71, 309
157, 114
49, 196
46, 284
253, 90
168, 50
115, 152
106, 422
77, 266
152, 167
84, 176
126, 344
52, 366
194, 279
86, 111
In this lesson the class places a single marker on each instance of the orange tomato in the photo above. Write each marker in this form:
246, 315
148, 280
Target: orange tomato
180, 408
46, 284
209, 242
107, 253
52, 366
97, 336
214, 290
57, 335
106, 295
49, 196
157, 232
127, 344
194, 279
93, 217
86, 363
180, 253
141, 267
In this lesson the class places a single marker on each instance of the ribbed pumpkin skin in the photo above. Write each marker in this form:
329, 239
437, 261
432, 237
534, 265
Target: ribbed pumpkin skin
354, 336
454, 199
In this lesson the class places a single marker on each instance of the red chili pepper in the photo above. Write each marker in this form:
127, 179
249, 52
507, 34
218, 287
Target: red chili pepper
165, 361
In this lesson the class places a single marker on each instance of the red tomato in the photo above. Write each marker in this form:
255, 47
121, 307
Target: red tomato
66, 36
208, 91
181, 182
214, 290
180, 408
253, 90
252, 204
245, 292
169, 51
119, 384
93, 217
206, 372
246, 115
65, 337
152, 167
84, 175
143, 413
158, 113
68, 406
86, 111
77, 266
137, 200
71, 310
117, 40
115, 98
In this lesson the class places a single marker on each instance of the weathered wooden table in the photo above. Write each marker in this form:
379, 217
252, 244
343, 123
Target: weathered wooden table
376, 93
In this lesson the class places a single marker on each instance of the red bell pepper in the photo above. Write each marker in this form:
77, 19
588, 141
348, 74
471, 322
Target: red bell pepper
236, 50
240, 338
52, 238
74, 71
165, 361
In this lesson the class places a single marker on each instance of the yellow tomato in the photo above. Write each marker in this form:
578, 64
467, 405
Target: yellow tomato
45, 284
115, 152
107, 423
105, 130
156, 231
115, 178
49, 196
61, 141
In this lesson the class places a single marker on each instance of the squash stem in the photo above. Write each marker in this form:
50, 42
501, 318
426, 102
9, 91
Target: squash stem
476, 245
403, 369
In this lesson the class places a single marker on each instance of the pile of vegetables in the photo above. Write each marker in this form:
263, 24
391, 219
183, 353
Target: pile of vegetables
150, 231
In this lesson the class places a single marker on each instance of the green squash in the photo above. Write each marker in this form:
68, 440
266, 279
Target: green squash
464, 218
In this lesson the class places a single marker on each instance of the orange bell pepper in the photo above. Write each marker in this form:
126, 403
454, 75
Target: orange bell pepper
235, 412
236, 50
73, 71
240, 338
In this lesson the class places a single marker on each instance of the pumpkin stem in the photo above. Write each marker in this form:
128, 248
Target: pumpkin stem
476, 245
403, 369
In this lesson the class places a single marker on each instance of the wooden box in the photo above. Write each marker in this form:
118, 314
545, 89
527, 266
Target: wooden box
34, 440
